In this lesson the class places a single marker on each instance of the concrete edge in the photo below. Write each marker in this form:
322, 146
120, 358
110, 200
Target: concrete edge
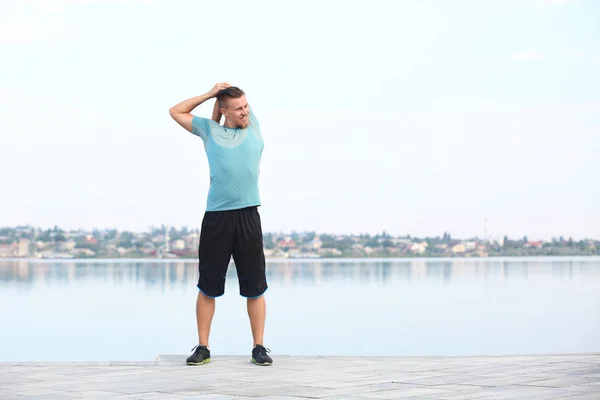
179, 359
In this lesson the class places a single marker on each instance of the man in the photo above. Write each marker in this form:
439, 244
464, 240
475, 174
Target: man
231, 225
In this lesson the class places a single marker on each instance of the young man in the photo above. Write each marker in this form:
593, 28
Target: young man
231, 225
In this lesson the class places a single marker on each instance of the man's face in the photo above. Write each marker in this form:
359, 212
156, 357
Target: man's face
237, 112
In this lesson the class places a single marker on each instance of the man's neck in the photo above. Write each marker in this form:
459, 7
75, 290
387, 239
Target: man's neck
227, 124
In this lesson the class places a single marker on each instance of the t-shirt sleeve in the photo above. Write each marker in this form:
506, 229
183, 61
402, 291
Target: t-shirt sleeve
201, 127
253, 120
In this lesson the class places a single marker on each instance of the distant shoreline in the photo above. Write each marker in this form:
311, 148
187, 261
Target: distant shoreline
308, 259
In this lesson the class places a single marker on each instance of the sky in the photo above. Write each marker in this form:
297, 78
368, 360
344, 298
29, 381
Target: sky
414, 117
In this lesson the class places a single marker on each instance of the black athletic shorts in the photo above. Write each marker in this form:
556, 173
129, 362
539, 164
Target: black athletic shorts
236, 233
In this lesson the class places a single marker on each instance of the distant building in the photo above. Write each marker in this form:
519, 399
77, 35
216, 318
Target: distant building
6, 250
287, 244
469, 246
418, 247
23, 248
534, 244
20, 248
178, 244
458, 248
316, 243
68, 245
324, 251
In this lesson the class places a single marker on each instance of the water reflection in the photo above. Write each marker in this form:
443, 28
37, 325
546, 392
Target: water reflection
403, 306
169, 274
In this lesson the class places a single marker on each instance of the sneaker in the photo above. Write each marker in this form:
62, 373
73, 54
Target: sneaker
260, 356
201, 356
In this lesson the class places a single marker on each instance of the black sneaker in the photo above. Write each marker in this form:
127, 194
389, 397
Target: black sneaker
260, 356
200, 356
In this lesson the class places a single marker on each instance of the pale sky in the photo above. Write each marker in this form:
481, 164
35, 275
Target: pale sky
414, 117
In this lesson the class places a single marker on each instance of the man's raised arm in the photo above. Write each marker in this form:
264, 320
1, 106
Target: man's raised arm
181, 112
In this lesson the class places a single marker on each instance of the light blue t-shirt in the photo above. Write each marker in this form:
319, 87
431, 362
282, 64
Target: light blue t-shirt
233, 158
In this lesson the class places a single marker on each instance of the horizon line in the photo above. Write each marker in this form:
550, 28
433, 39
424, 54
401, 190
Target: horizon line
293, 231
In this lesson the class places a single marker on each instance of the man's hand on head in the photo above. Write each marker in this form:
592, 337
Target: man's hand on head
218, 87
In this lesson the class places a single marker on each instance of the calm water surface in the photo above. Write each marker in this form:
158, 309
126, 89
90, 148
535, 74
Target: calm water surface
134, 310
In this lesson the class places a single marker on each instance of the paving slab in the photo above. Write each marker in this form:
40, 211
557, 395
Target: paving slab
569, 376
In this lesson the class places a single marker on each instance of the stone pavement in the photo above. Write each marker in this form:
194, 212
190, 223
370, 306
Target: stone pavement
573, 377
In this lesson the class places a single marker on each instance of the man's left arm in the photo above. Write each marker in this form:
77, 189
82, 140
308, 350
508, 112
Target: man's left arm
253, 120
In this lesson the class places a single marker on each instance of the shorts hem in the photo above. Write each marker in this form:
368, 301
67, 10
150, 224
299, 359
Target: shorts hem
255, 297
212, 297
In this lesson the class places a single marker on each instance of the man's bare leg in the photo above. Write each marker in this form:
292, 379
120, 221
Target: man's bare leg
205, 309
257, 311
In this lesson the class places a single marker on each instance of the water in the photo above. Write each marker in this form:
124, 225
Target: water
134, 310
